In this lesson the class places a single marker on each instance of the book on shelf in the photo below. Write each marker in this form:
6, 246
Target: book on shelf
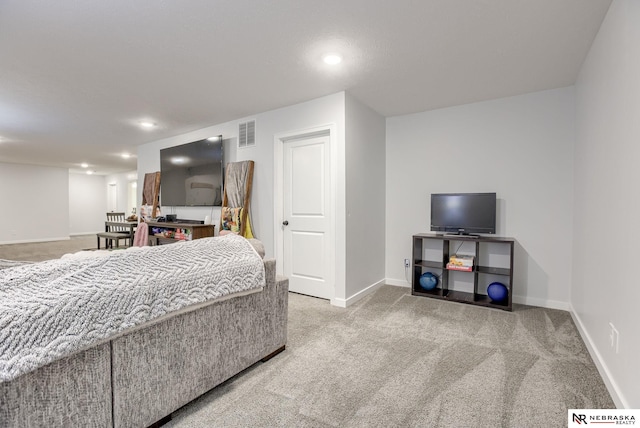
451, 266
461, 260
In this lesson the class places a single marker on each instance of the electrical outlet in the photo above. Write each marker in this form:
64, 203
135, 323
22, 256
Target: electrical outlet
614, 337
406, 263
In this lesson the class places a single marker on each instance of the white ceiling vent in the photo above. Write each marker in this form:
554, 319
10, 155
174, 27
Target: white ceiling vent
247, 134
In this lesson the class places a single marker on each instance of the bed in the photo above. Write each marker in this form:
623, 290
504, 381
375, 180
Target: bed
137, 370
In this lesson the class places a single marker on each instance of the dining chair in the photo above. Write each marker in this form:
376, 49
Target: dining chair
114, 232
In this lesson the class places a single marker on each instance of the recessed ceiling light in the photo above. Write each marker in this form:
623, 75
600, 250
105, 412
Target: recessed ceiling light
146, 124
89, 172
332, 59
213, 138
125, 155
84, 165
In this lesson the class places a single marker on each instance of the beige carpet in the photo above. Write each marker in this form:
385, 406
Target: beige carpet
39, 251
395, 360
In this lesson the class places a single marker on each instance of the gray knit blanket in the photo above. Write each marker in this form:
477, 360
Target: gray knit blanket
52, 309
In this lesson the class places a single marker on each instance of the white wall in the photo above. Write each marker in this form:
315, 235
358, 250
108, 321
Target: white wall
321, 111
365, 197
87, 203
121, 182
35, 203
72, 204
607, 201
519, 147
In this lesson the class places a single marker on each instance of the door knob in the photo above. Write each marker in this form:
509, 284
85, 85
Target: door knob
285, 223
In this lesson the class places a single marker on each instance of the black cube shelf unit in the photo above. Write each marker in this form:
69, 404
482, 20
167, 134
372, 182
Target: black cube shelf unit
482, 272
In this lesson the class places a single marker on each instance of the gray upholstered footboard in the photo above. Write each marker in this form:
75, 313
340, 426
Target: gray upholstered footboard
161, 368
141, 377
71, 392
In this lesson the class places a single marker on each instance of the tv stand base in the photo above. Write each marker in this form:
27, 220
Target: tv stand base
485, 271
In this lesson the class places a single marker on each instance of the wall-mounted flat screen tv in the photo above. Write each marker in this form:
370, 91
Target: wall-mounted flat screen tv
191, 174
463, 213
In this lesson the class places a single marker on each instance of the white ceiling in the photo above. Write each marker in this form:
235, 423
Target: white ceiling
77, 76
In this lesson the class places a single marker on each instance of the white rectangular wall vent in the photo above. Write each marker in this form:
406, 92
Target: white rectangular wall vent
247, 134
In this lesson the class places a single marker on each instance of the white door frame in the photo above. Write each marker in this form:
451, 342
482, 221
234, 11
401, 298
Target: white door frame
279, 141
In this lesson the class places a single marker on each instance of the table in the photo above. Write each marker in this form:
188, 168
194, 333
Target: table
195, 230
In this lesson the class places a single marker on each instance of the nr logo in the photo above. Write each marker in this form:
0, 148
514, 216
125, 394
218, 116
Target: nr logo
580, 419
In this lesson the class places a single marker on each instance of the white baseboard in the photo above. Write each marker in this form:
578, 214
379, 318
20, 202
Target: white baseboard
611, 385
85, 233
343, 303
543, 303
30, 241
397, 282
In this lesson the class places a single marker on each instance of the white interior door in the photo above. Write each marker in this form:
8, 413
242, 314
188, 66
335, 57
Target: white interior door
112, 197
132, 197
306, 216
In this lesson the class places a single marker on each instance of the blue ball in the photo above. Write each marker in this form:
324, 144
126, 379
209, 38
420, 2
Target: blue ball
428, 281
497, 291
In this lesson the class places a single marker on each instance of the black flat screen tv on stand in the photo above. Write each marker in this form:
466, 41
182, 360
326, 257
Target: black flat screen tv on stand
463, 213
